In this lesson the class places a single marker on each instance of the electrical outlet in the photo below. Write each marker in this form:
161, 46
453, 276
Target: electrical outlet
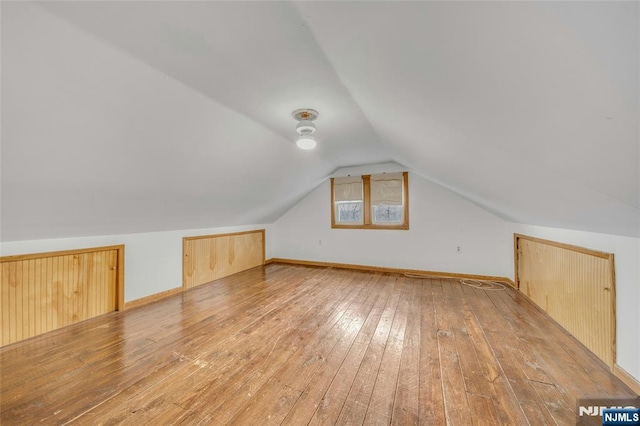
319, 242
458, 249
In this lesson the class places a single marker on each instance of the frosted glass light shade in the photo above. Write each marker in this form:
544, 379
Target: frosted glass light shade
306, 142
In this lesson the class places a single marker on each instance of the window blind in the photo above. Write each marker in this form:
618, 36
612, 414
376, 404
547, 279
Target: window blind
347, 188
386, 189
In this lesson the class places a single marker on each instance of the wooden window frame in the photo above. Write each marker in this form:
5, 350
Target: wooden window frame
366, 205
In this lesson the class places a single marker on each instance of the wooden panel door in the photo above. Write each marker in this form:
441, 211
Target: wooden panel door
575, 286
43, 292
208, 258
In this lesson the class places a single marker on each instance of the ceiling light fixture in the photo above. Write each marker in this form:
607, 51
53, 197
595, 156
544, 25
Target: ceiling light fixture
305, 127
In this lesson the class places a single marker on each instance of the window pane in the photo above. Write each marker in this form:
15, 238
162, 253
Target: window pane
384, 213
349, 212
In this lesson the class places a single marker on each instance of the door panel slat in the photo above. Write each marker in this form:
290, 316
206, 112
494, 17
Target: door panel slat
208, 258
43, 292
575, 287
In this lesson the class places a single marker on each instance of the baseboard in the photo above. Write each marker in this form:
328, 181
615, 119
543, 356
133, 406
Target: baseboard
434, 274
627, 378
152, 298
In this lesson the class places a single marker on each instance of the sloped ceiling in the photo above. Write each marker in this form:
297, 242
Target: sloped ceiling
138, 116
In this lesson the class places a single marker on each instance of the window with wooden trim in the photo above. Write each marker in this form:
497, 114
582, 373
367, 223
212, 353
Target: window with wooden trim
379, 201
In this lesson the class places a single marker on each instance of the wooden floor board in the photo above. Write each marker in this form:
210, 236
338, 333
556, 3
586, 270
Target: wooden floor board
380, 408
98, 337
516, 305
199, 368
430, 397
498, 387
451, 375
164, 352
405, 405
313, 399
228, 393
357, 401
294, 345
334, 398
291, 380
504, 343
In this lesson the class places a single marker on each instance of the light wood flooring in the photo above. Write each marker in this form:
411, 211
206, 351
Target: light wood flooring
301, 345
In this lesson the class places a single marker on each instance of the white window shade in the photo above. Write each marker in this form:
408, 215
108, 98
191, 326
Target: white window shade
347, 189
386, 189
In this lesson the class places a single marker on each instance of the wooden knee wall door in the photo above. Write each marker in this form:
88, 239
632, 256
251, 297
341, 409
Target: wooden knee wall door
575, 286
45, 291
210, 257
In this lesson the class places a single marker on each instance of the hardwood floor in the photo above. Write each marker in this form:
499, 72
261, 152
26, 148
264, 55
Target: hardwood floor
300, 345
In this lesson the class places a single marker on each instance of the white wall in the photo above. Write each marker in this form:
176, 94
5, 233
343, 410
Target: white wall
153, 261
440, 221
627, 264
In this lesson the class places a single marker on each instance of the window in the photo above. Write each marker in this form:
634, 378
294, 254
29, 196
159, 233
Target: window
370, 201
348, 200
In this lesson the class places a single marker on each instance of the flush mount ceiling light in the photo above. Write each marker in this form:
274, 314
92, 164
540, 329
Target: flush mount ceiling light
305, 127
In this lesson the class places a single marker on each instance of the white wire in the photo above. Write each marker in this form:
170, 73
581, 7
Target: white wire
484, 285
479, 284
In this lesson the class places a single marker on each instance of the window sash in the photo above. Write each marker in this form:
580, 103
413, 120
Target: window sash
374, 221
360, 209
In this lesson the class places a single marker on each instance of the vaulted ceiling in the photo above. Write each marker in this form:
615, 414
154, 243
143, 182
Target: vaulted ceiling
137, 116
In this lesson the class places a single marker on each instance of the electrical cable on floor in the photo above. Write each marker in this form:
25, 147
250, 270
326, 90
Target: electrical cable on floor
473, 283
484, 284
